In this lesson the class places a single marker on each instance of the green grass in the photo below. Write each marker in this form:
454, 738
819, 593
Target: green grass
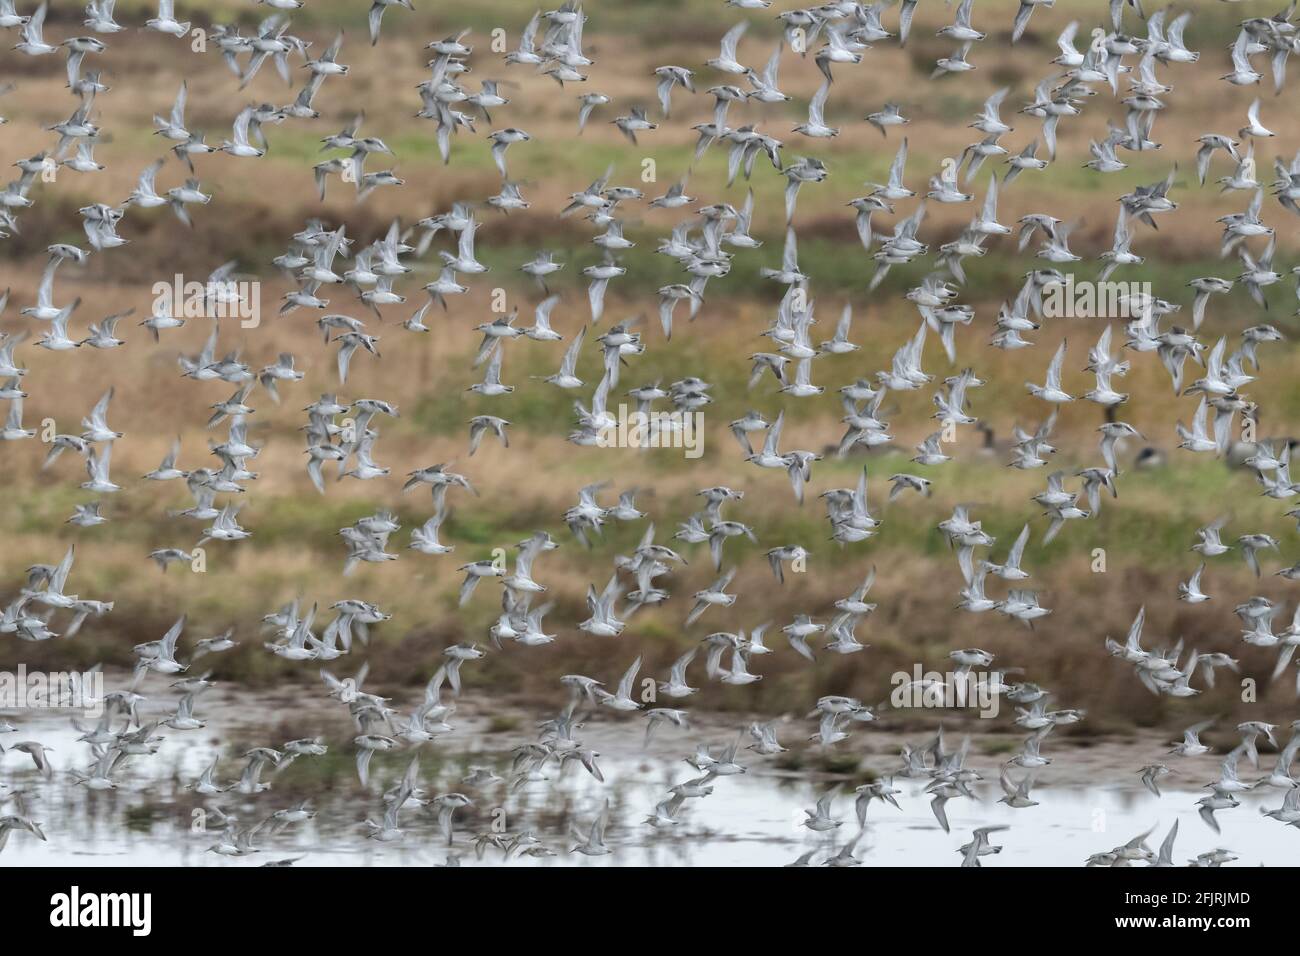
1158, 500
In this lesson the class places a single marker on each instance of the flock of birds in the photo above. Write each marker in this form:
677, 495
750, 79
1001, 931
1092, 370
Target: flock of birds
341, 435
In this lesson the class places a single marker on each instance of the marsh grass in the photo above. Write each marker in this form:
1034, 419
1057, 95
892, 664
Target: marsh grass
295, 551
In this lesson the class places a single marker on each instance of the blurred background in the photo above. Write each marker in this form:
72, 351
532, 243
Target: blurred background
259, 204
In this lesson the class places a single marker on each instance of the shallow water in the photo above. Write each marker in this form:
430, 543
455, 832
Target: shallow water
751, 819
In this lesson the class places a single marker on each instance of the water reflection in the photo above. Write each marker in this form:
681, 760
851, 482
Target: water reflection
750, 820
